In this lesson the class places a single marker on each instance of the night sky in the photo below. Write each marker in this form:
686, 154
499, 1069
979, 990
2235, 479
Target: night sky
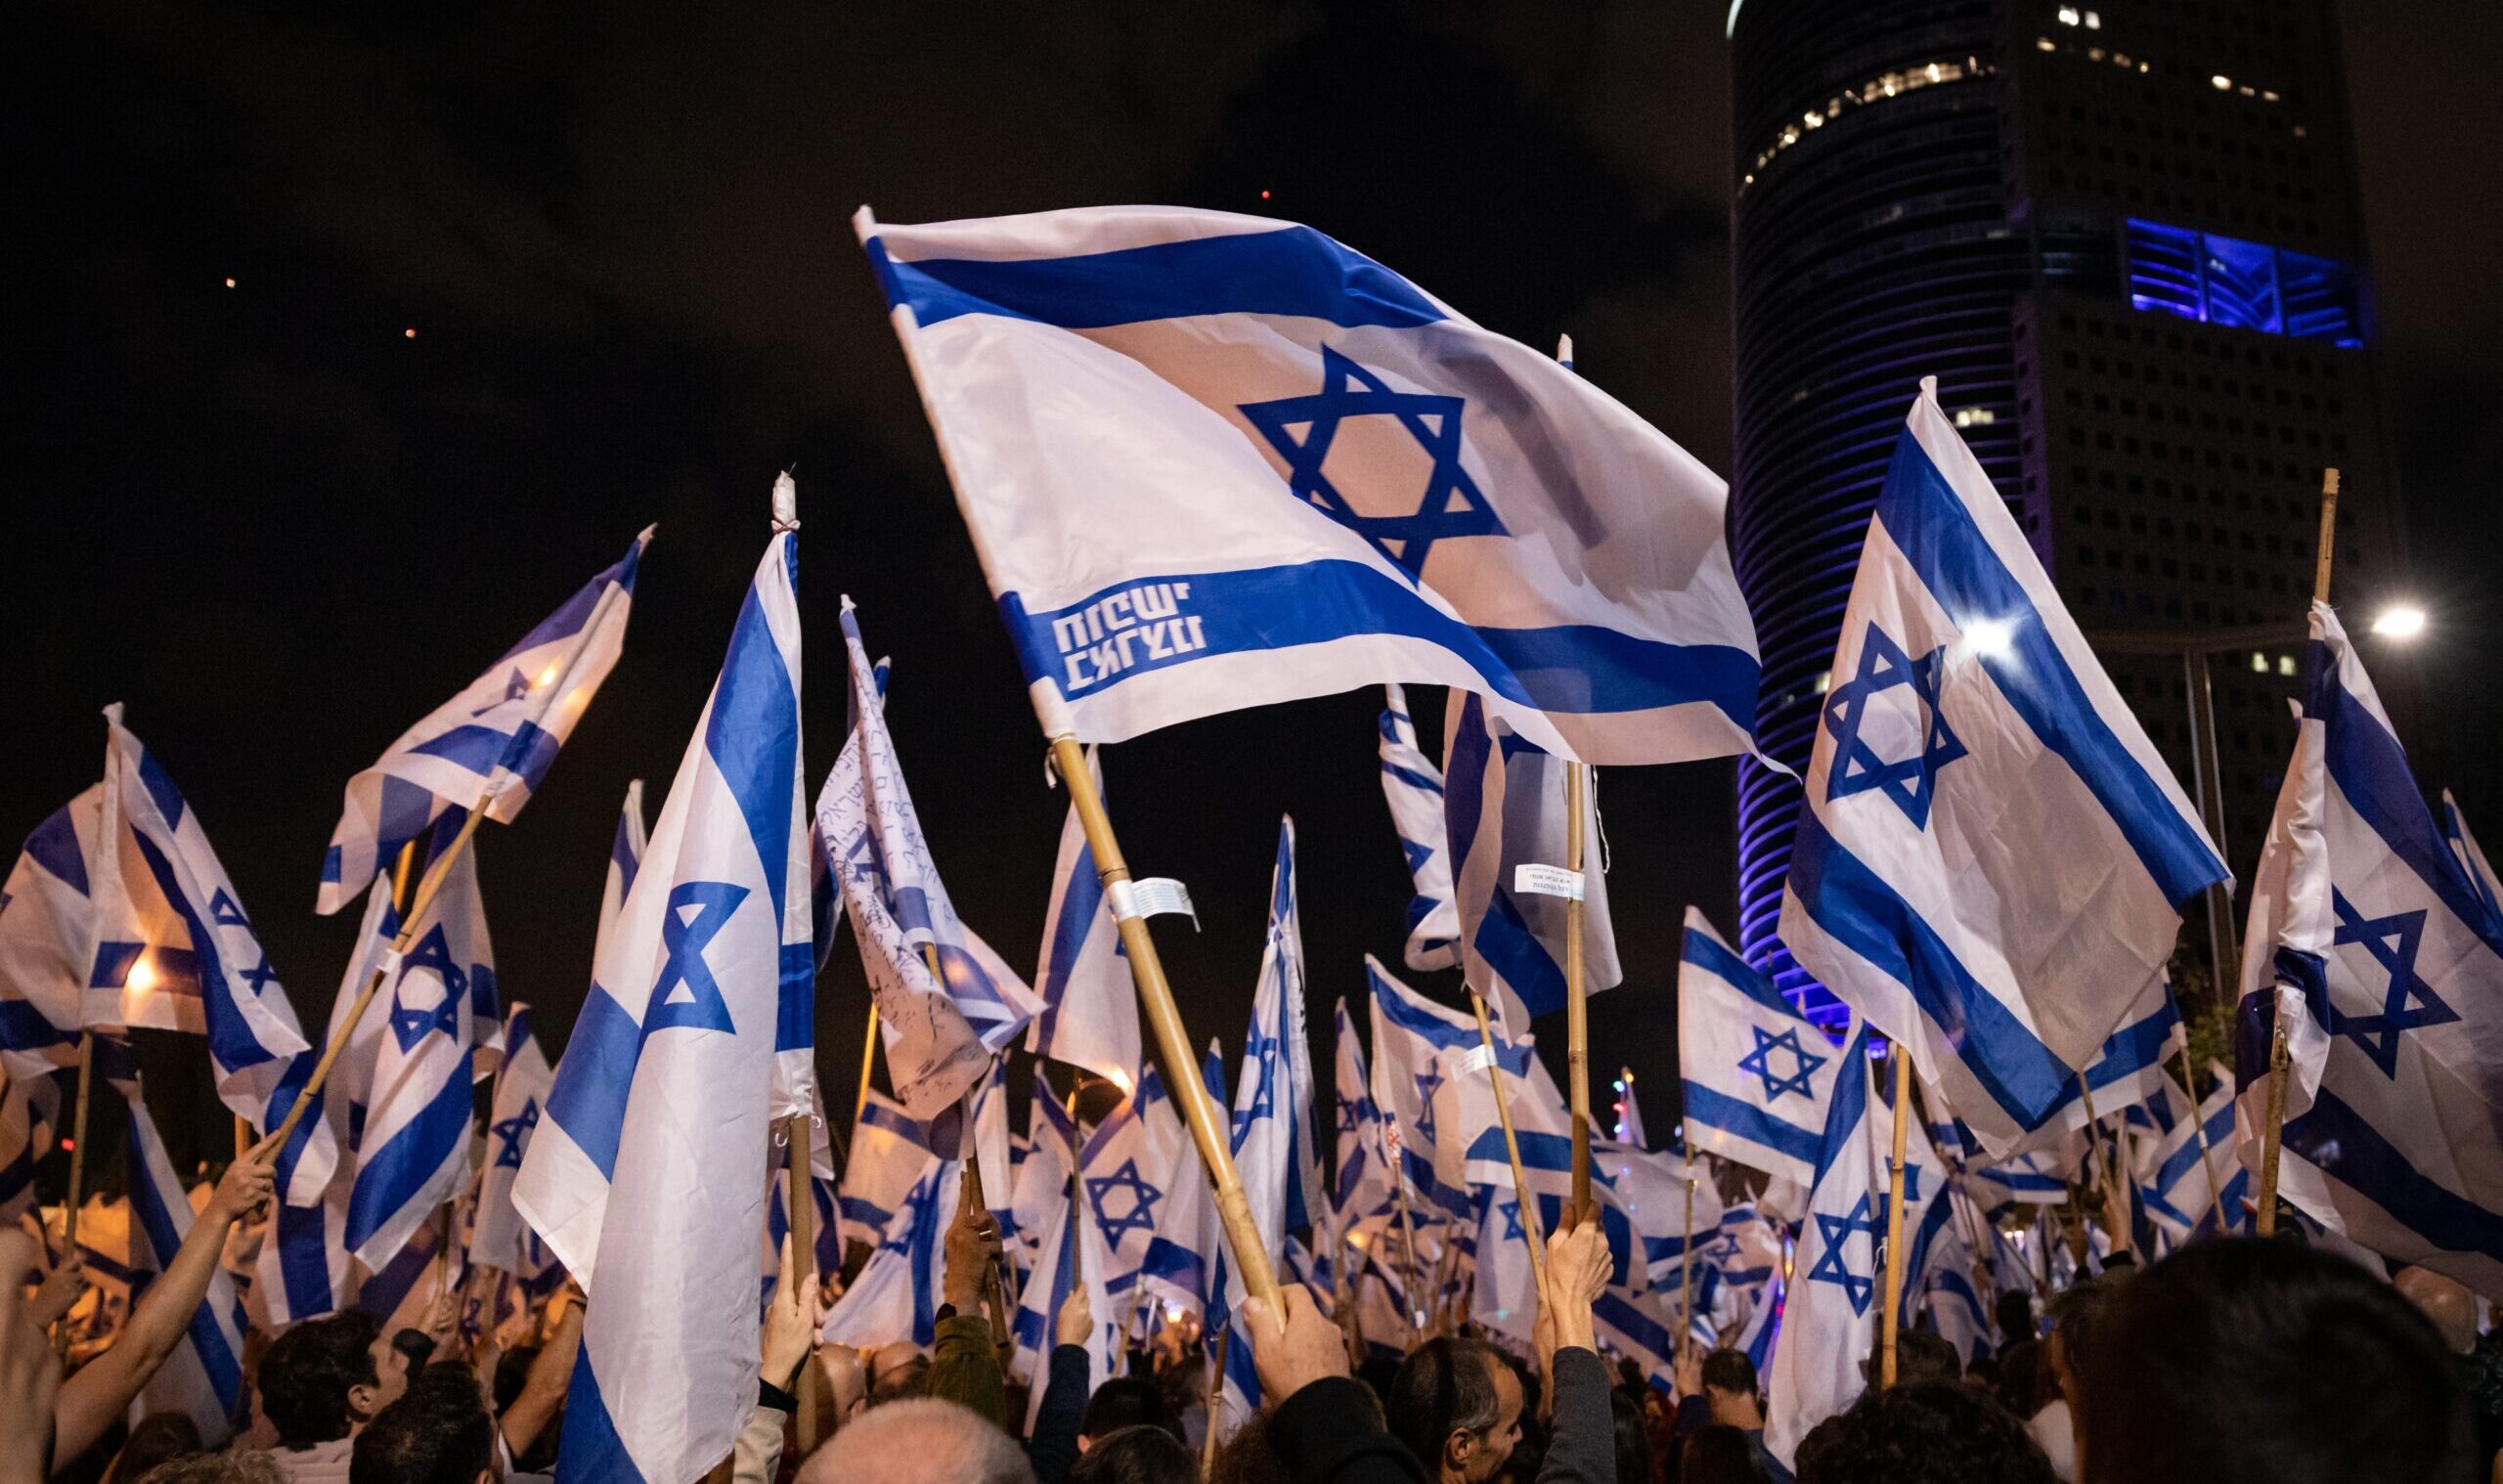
280, 528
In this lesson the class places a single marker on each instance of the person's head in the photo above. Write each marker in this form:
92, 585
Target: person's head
2239, 1360
1143, 1454
1633, 1438
2452, 1309
896, 1372
437, 1432
325, 1377
1925, 1355
918, 1440
846, 1381
2025, 1382
1126, 1401
1729, 1388
1458, 1407
2075, 1311
2014, 1315
215, 1469
1936, 1434
159, 1437
1718, 1455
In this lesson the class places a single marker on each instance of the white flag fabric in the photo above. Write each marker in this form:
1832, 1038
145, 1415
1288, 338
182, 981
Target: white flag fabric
2127, 1070
895, 1298
499, 1239
889, 1151
1412, 1088
48, 940
1967, 724
1830, 1323
1756, 1075
493, 743
1503, 809
2175, 1171
1046, 1289
1042, 1179
202, 1376
2471, 856
413, 1149
1653, 1188
1123, 1179
940, 1035
1181, 1266
1089, 1009
2367, 936
662, 1103
1321, 477
1414, 787
1363, 1187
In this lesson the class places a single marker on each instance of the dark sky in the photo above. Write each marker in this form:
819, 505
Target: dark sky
280, 530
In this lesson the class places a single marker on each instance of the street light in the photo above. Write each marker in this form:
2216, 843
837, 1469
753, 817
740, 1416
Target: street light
2399, 620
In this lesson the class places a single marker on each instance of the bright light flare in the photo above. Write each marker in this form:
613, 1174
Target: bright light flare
1989, 639
2399, 620
143, 976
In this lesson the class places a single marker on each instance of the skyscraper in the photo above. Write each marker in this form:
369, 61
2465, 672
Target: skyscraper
2123, 237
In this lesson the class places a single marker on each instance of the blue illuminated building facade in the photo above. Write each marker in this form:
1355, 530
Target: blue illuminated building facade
2125, 238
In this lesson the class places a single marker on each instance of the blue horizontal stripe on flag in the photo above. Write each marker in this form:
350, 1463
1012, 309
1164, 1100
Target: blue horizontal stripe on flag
387, 1177
589, 1100
232, 1045
1413, 778
894, 1121
1848, 900
54, 844
2371, 771
795, 1017
1707, 953
591, 1448
1714, 1109
1293, 271
1936, 534
22, 1027
1398, 1009
472, 746
1569, 669
217, 1358
1516, 956
2340, 1139
753, 736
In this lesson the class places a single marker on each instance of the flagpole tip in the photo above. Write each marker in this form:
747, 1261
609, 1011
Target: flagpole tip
1565, 349
1929, 390
113, 714
865, 223
786, 501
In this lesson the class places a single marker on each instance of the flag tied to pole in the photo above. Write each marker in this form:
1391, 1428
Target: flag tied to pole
497, 1236
1965, 724
2368, 936
1089, 1015
1413, 788
1213, 462
662, 1105
493, 742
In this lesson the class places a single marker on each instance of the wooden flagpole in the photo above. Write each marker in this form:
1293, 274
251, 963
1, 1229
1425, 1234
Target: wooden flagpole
800, 1200
868, 1065
1577, 1027
1172, 1042
1686, 1261
1886, 1319
1216, 1394
2108, 1173
1408, 1250
77, 1170
1076, 1190
2207, 1156
994, 1285
1530, 1233
2264, 1219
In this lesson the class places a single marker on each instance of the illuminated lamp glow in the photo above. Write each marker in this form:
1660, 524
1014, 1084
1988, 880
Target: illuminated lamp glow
2399, 620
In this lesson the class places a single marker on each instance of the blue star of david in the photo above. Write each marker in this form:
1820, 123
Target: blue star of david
1142, 1204
1512, 1210
1856, 768
1262, 1051
1832, 1233
514, 1131
1350, 1116
1449, 505
2408, 1003
223, 910
1426, 1088
1757, 1064
685, 996
1418, 855
410, 1023
516, 686
258, 977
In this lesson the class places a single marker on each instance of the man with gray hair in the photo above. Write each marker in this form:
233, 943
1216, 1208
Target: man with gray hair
920, 1440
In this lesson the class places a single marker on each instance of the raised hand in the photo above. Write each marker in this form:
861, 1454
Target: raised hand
1292, 1350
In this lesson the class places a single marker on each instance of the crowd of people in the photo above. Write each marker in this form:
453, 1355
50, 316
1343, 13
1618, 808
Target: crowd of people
2228, 1361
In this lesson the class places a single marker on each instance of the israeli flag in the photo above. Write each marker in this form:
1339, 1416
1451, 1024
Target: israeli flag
1123, 1180
2367, 934
498, 1237
2128, 1075
1943, 1290
1363, 1173
2472, 857
825, 1234
1755, 1073
625, 859
202, 1376
888, 1149
1322, 478
1414, 787
1181, 1265
412, 1151
1047, 1287
2040, 1178
1830, 1323
2174, 1172
1637, 1327
1504, 1298
1273, 1100
1503, 808
1967, 723
175, 952
1042, 1179
1763, 1329
1412, 1088
1089, 1009
939, 1037
47, 938
664, 1097
491, 745
895, 1298
1652, 1187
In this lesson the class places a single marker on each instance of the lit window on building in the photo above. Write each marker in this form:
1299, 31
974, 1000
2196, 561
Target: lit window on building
2226, 281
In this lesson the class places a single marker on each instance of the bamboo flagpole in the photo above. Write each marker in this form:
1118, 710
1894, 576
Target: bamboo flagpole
2108, 1170
77, 1170
1216, 1395
2199, 1126
1686, 1256
1530, 1233
2263, 1222
1577, 1023
868, 1065
800, 1202
1886, 1319
1172, 1042
969, 1155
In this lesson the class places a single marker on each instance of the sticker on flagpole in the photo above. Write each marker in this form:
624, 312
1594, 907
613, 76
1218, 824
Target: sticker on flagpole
388, 963
1477, 1057
1547, 881
1151, 896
